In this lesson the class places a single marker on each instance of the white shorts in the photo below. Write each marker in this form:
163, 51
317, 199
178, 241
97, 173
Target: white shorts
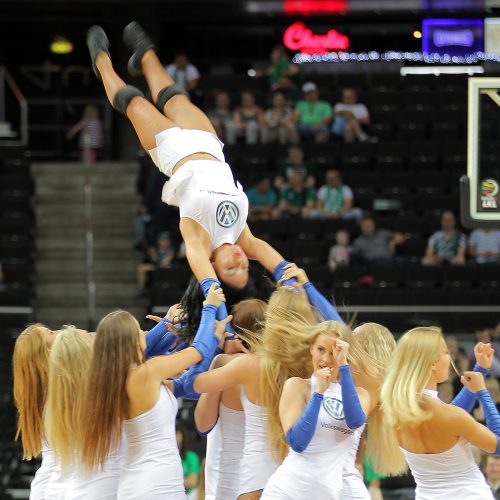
174, 144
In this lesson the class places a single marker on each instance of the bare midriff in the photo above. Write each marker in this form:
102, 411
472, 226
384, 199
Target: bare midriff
194, 156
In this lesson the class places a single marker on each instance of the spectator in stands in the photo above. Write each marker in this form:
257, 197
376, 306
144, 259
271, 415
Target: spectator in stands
262, 199
90, 140
295, 163
278, 122
184, 73
339, 253
335, 199
141, 223
248, 120
190, 462
313, 116
160, 256
447, 245
374, 245
296, 199
286, 86
491, 469
279, 64
484, 246
350, 117
221, 116
459, 359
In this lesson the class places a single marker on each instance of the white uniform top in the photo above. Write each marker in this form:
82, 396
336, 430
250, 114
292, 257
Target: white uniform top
42, 476
100, 485
232, 428
212, 461
353, 486
452, 474
204, 190
58, 482
317, 471
258, 462
153, 469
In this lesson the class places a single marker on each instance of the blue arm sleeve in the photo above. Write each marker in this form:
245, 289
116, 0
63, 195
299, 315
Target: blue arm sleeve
162, 348
155, 335
183, 386
466, 399
205, 341
491, 415
354, 415
279, 270
222, 309
300, 434
324, 307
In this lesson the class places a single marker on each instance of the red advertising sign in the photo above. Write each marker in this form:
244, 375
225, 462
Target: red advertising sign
299, 37
306, 7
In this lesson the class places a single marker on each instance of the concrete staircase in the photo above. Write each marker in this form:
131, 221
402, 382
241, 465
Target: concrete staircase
61, 290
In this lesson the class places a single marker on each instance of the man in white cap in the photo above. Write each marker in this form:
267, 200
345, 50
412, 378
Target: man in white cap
313, 116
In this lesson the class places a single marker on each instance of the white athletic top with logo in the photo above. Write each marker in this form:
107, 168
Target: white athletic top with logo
317, 471
452, 474
212, 461
258, 462
153, 469
42, 476
204, 190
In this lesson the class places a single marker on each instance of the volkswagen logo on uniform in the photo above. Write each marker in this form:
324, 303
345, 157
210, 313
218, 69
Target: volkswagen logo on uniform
227, 214
334, 408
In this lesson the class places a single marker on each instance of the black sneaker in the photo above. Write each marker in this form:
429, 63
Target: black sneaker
97, 42
139, 42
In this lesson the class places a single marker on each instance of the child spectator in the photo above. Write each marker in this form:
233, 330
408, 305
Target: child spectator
248, 121
335, 199
350, 117
313, 116
190, 462
484, 246
279, 64
447, 245
160, 256
339, 253
263, 200
294, 163
296, 199
221, 116
279, 126
90, 128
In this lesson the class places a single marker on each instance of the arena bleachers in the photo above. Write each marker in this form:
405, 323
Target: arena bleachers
420, 123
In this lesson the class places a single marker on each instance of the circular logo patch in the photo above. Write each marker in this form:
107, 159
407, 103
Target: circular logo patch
227, 214
489, 187
334, 408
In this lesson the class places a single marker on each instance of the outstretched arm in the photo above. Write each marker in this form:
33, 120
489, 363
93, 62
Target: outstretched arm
259, 250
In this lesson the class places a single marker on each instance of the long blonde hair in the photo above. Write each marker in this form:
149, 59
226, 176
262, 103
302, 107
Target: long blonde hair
105, 404
283, 353
408, 375
68, 366
30, 364
382, 446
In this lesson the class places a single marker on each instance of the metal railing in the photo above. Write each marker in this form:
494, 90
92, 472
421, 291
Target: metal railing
6, 80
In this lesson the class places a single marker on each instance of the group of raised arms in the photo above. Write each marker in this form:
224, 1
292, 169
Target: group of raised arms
284, 405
